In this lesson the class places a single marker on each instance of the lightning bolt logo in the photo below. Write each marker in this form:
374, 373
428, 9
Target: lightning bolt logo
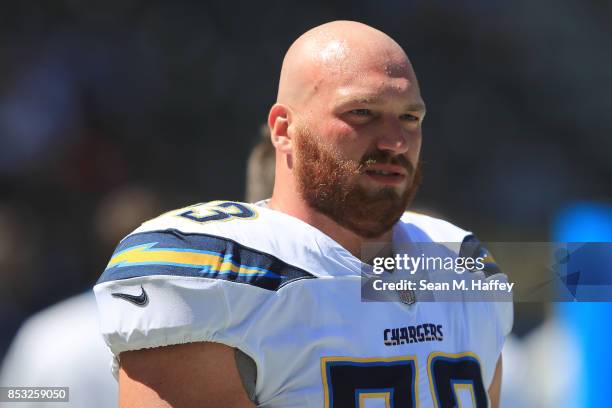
209, 262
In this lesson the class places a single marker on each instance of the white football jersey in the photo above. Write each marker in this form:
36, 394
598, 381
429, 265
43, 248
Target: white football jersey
289, 296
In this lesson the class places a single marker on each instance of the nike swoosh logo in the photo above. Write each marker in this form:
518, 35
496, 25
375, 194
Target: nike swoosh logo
138, 300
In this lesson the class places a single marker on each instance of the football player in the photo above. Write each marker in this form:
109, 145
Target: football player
227, 304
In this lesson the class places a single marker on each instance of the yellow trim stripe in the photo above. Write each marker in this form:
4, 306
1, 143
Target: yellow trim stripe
470, 388
143, 254
375, 395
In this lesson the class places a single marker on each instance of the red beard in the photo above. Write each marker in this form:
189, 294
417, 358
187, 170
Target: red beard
329, 184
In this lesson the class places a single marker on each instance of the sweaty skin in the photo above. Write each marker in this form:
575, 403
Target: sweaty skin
334, 54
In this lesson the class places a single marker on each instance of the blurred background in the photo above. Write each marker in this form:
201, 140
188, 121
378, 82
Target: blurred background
114, 111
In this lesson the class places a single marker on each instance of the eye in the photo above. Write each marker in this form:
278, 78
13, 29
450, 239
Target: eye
361, 112
410, 118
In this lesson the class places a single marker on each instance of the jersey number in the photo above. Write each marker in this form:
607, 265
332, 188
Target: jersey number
217, 211
453, 378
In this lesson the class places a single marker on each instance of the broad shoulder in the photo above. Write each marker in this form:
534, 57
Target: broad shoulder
424, 228
228, 240
242, 222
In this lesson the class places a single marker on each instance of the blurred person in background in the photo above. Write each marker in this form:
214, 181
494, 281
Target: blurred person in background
534, 375
61, 345
260, 168
19, 253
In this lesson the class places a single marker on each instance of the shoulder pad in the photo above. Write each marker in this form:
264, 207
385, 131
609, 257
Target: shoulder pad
176, 253
423, 228
247, 228
471, 247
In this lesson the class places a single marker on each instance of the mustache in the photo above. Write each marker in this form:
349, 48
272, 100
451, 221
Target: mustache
382, 157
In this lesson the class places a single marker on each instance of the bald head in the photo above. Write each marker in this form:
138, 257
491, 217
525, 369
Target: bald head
336, 53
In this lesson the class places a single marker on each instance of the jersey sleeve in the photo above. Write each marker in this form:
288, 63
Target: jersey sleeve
168, 287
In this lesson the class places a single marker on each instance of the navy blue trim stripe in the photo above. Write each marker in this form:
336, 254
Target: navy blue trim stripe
156, 253
471, 247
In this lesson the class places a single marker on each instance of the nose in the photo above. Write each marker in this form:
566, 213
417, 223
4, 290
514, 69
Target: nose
394, 137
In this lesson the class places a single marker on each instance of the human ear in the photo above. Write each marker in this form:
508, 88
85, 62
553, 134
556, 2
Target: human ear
279, 120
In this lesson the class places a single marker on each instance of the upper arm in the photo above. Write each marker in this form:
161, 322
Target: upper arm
495, 387
181, 376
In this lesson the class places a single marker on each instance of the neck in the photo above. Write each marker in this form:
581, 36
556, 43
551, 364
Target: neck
349, 240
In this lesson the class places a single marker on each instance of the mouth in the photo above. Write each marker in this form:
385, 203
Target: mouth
390, 177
